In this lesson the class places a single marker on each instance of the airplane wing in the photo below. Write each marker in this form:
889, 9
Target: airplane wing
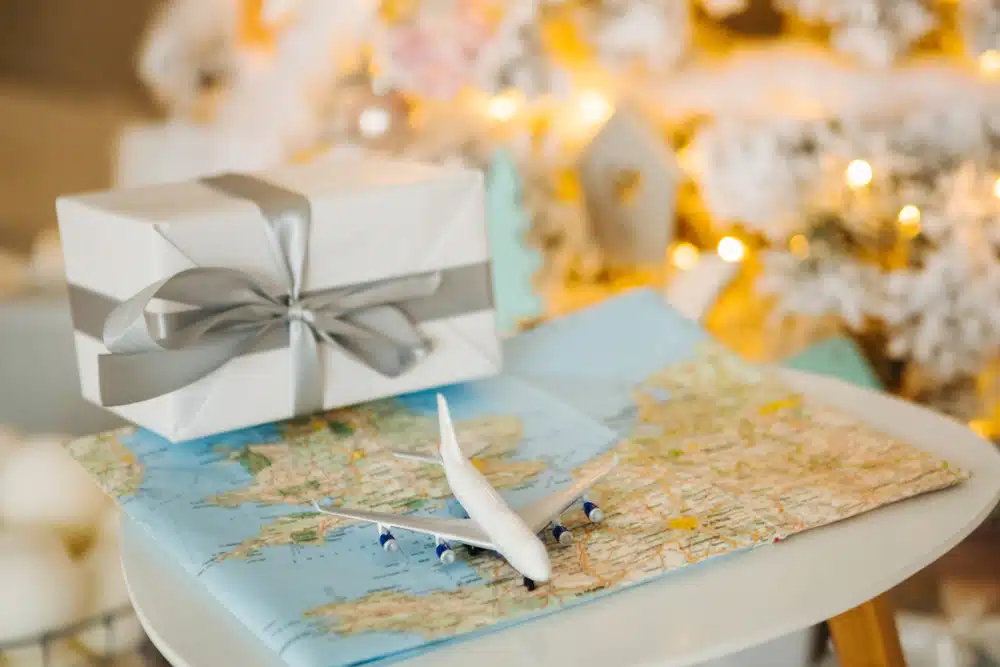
545, 510
462, 531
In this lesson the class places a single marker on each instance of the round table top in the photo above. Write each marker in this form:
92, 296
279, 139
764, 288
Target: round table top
684, 618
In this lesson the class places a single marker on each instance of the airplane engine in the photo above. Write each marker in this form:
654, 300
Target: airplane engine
445, 553
387, 541
562, 534
593, 512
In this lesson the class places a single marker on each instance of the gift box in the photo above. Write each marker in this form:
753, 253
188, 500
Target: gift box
241, 299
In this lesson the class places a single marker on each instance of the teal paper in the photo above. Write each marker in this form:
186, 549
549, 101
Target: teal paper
838, 357
514, 263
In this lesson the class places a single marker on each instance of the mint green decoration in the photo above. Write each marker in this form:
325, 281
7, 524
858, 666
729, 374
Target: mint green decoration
514, 263
838, 357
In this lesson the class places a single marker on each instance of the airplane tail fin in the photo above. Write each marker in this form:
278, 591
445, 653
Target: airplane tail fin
449, 442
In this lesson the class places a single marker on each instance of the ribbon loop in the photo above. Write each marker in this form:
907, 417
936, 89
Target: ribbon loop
226, 313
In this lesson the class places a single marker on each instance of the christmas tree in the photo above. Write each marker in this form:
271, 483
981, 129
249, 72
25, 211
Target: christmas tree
845, 152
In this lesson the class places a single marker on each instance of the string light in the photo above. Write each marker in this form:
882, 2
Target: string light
909, 219
684, 256
996, 189
594, 107
503, 107
859, 174
731, 249
989, 62
374, 122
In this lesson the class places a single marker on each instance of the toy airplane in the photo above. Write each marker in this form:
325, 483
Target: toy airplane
492, 524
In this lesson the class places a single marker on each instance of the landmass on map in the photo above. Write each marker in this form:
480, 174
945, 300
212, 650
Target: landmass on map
732, 460
715, 456
111, 463
348, 454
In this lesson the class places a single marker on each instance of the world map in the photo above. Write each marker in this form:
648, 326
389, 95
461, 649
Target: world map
715, 456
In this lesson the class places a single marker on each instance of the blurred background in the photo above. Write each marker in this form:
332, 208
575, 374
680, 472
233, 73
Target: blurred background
67, 88
69, 83
795, 174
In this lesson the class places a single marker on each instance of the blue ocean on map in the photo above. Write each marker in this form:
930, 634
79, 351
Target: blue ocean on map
569, 383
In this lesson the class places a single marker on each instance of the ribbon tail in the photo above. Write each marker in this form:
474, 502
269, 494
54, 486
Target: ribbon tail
393, 344
228, 297
307, 369
140, 376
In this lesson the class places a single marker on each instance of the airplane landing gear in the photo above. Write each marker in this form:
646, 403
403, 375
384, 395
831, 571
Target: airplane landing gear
529, 584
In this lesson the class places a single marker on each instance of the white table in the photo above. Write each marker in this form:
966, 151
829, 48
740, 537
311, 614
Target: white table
685, 618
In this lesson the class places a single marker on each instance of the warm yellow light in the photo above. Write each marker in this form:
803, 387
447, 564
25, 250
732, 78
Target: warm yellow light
799, 245
374, 122
909, 215
996, 189
594, 107
909, 220
989, 62
731, 249
684, 256
503, 107
859, 174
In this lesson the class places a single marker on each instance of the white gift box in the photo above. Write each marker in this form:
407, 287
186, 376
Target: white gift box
371, 220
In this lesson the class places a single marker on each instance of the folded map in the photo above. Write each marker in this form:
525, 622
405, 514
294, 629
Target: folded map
716, 456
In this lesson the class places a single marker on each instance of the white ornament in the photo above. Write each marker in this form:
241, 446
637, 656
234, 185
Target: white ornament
41, 485
43, 589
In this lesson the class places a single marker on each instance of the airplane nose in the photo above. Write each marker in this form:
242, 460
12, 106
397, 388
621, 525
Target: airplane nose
533, 563
541, 566
542, 573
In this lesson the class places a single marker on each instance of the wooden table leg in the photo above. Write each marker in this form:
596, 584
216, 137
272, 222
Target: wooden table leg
866, 636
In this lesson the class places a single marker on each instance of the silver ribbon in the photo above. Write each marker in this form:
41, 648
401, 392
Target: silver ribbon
231, 313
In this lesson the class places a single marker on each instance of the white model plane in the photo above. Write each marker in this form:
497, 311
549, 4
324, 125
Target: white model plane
492, 524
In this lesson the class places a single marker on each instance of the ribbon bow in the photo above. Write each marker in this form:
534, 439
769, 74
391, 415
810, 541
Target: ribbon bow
152, 354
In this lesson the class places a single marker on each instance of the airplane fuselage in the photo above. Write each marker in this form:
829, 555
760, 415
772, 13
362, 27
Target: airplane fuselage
514, 540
